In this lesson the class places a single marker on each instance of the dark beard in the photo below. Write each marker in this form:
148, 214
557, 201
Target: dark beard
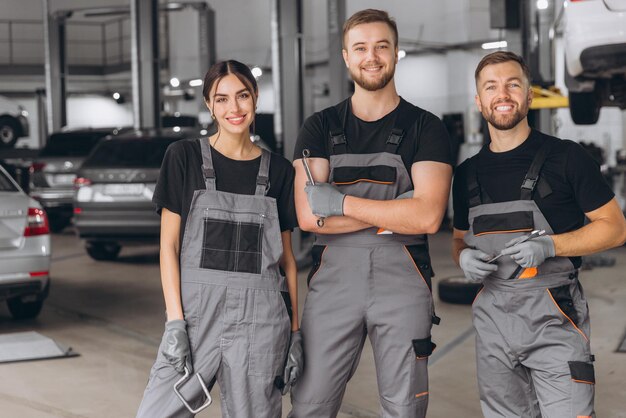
508, 123
373, 85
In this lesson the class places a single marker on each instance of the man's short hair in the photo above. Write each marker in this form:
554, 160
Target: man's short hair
370, 16
499, 57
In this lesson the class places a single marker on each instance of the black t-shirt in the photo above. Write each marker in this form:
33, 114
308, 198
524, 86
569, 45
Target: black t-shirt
181, 175
426, 140
574, 177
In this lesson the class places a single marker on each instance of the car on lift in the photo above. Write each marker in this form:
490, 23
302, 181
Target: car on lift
594, 34
13, 122
53, 172
24, 250
113, 191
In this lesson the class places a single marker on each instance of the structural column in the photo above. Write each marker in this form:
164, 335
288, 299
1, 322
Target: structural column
144, 17
55, 67
337, 81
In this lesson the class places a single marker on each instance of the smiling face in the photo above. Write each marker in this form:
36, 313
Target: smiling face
232, 104
370, 55
504, 94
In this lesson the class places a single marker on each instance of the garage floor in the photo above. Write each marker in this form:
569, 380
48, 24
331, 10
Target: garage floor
112, 313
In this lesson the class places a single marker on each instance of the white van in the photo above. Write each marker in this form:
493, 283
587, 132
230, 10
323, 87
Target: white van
13, 122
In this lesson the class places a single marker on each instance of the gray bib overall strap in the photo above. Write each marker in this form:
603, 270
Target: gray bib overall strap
532, 325
367, 283
237, 319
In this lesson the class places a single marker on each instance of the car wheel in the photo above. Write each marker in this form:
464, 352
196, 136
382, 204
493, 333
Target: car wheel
103, 251
584, 108
24, 310
458, 290
58, 223
9, 130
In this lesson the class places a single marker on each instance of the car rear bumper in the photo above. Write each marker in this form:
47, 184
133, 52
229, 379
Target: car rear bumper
23, 275
118, 225
53, 198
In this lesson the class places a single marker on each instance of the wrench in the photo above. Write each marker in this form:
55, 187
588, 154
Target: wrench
305, 156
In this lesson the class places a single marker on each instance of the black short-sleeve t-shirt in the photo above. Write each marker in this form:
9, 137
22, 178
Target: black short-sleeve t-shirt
574, 177
181, 175
426, 139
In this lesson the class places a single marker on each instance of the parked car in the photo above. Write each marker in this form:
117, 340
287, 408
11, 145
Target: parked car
13, 122
24, 250
113, 197
53, 172
595, 57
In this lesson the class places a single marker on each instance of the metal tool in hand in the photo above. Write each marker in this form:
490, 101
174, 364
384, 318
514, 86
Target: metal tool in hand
184, 379
534, 234
305, 156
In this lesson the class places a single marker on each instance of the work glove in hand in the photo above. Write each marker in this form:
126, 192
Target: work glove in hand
531, 253
175, 345
295, 361
474, 265
324, 199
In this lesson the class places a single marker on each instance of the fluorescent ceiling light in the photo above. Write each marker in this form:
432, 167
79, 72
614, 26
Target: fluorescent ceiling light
195, 83
542, 4
401, 54
174, 82
257, 72
494, 45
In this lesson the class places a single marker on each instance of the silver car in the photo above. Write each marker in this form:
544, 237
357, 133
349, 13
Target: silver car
24, 250
53, 172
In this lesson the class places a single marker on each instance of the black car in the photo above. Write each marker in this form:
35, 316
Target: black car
53, 172
113, 197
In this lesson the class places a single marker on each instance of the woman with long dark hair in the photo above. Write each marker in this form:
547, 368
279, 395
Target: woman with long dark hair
227, 213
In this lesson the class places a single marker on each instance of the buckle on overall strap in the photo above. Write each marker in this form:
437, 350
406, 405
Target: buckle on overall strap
208, 173
395, 137
262, 181
529, 183
337, 138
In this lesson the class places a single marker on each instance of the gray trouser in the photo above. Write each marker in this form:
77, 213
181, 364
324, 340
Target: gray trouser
533, 354
355, 292
237, 335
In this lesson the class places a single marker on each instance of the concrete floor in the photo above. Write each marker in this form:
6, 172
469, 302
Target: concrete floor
112, 313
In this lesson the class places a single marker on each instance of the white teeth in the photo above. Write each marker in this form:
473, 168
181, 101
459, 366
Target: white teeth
503, 108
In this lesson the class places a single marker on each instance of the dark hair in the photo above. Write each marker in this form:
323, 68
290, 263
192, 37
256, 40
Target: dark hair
221, 69
499, 57
370, 16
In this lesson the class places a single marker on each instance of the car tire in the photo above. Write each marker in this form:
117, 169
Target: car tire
103, 251
584, 108
24, 310
458, 290
58, 223
9, 132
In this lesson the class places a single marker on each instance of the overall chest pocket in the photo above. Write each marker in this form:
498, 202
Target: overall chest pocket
230, 245
503, 223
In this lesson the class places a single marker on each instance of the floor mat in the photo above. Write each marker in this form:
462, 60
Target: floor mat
31, 345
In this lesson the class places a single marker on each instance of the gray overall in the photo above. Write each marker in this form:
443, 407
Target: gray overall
366, 283
237, 318
532, 325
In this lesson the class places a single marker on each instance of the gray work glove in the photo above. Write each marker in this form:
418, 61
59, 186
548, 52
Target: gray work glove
295, 361
474, 265
531, 253
406, 195
175, 345
324, 199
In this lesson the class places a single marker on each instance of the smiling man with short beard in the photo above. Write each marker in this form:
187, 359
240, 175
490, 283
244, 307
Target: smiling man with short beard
520, 211
382, 170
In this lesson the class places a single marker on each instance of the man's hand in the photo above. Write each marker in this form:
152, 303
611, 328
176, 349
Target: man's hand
531, 253
324, 199
294, 365
175, 345
474, 265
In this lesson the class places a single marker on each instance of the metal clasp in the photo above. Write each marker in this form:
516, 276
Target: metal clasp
183, 380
